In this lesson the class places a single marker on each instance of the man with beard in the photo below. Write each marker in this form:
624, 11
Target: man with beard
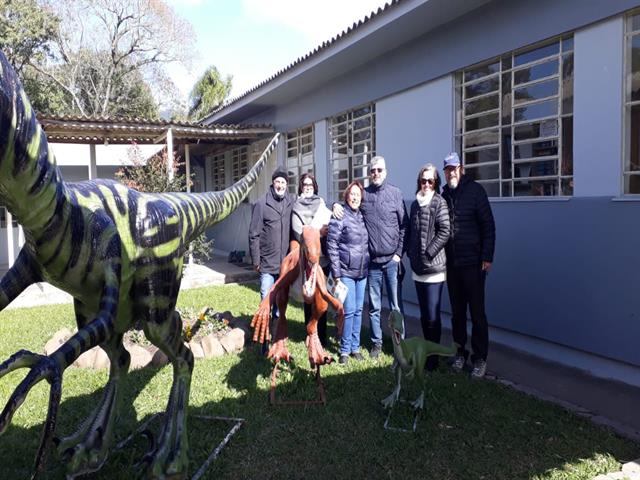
269, 232
469, 257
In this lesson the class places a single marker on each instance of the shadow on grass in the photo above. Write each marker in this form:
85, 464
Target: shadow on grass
469, 430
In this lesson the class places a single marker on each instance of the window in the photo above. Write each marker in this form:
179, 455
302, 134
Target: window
299, 155
239, 163
218, 177
353, 144
631, 169
515, 121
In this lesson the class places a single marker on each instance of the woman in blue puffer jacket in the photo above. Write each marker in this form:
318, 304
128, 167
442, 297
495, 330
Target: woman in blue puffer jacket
348, 248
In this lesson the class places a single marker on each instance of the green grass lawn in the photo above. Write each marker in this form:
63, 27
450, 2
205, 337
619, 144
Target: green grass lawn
470, 430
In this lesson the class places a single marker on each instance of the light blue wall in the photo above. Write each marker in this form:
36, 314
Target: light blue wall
413, 128
597, 107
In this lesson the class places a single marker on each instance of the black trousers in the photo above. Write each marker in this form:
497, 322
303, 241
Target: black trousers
466, 289
322, 321
429, 295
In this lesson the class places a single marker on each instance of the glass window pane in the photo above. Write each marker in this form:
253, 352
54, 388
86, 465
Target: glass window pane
362, 123
633, 161
567, 146
506, 152
362, 135
542, 168
536, 91
481, 71
546, 128
506, 189
482, 105
506, 62
536, 72
481, 156
632, 184
485, 121
485, 172
567, 84
635, 22
535, 188
537, 110
536, 149
481, 138
506, 98
537, 54
567, 186
479, 88
635, 67
567, 44
492, 188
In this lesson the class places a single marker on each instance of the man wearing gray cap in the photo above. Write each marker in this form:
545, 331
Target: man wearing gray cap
469, 257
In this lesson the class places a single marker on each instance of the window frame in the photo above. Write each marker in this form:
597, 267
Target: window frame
628, 103
504, 153
298, 164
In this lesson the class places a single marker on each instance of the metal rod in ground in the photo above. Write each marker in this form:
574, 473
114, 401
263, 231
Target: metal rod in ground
203, 468
135, 432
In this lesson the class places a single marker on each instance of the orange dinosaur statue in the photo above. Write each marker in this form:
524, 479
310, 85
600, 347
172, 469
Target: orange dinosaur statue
303, 259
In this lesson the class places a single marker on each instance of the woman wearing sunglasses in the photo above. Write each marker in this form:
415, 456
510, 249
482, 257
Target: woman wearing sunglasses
428, 233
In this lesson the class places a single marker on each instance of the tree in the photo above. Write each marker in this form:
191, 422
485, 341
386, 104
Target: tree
208, 92
26, 31
106, 52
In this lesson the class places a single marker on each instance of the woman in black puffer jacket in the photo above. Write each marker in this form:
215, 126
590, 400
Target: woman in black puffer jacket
428, 234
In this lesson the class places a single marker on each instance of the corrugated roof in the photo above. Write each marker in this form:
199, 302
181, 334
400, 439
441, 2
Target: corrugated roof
78, 129
340, 37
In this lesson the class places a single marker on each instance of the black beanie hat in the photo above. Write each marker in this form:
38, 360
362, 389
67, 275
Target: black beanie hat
280, 173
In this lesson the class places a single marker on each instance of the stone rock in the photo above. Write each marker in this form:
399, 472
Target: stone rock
196, 349
86, 360
158, 358
56, 340
211, 346
631, 467
233, 341
140, 356
101, 359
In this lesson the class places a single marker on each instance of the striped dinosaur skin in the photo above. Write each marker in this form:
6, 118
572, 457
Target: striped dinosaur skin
119, 253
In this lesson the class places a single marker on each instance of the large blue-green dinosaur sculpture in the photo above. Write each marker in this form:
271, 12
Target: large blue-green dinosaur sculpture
119, 253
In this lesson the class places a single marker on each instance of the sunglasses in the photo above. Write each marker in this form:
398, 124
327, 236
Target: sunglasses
377, 170
430, 181
307, 184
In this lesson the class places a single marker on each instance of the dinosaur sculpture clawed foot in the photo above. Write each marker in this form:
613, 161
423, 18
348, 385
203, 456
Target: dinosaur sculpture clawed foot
317, 354
279, 351
391, 400
418, 403
41, 367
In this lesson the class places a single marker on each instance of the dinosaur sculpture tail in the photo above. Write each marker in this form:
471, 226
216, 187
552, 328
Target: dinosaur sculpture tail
208, 208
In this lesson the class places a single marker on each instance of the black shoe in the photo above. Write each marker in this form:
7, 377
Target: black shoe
479, 369
358, 356
375, 351
344, 358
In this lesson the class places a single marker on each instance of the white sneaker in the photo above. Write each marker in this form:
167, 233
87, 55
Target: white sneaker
458, 363
479, 369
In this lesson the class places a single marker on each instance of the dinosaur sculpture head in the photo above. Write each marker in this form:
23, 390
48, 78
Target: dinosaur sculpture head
396, 326
310, 259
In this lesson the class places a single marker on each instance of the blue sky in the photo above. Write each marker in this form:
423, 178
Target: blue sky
253, 39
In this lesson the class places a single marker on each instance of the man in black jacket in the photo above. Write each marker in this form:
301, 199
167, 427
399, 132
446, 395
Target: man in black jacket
269, 232
469, 257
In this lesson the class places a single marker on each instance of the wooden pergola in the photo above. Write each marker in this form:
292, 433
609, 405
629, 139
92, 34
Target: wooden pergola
125, 131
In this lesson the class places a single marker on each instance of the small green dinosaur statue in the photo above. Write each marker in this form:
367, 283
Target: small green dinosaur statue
119, 253
410, 357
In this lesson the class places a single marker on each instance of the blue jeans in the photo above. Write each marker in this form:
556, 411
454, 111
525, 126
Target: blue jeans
266, 282
429, 296
350, 341
377, 273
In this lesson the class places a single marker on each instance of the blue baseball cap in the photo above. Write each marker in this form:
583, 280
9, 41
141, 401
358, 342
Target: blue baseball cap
452, 160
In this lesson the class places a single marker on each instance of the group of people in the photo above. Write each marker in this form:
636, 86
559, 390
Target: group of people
448, 236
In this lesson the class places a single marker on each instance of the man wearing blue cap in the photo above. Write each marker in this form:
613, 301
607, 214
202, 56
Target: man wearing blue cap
469, 257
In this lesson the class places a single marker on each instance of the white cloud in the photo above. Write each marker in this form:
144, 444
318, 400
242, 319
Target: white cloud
319, 20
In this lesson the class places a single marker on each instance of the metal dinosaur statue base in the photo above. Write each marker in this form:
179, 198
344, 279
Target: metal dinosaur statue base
303, 259
119, 253
410, 357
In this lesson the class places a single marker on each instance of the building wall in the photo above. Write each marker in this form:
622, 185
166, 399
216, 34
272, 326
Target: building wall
565, 274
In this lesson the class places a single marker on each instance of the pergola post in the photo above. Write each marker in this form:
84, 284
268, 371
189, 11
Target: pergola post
10, 248
170, 154
187, 166
93, 169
